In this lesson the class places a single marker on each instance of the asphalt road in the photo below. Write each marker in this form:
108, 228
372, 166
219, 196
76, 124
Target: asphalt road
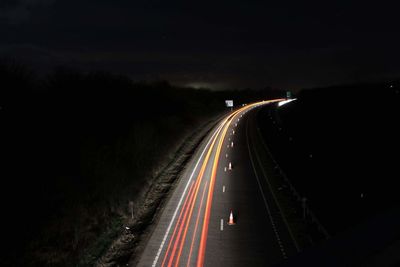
193, 228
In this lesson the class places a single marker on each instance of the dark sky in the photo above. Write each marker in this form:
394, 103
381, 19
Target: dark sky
217, 44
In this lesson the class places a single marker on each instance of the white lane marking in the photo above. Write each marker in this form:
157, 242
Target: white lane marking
183, 194
226, 155
222, 224
275, 198
223, 189
263, 197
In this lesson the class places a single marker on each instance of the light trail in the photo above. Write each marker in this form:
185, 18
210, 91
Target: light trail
284, 102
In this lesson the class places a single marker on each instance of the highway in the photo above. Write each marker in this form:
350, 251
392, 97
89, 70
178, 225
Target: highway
195, 227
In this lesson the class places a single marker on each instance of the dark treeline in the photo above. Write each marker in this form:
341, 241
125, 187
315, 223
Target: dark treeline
77, 146
340, 146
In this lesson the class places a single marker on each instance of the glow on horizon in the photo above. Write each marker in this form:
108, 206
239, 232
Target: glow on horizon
206, 85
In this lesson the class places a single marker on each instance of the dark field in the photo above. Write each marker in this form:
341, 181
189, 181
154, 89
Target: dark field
339, 147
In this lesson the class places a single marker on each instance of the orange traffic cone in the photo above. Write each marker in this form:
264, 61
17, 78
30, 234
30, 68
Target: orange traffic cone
231, 221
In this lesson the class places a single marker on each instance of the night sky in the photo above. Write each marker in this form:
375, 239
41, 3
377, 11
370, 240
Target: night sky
215, 44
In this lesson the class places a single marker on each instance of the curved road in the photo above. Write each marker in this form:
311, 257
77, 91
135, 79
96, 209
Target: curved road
193, 228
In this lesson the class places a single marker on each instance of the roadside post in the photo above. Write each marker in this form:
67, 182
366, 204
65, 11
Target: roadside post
303, 200
131, 208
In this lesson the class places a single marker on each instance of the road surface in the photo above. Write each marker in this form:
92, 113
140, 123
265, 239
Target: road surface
193, 228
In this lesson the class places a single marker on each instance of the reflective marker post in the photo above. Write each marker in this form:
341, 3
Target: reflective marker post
131, 208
